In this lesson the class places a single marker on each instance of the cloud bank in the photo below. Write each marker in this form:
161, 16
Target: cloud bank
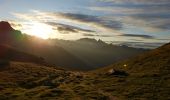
142, 13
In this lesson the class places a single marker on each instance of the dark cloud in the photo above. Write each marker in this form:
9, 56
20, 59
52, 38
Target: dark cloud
137, 1
105, 35
160, 21
136, 40
16, 25
165, 26
139, 44
96, 35
86, 34
93, 19
163, 39
153, 13
65, 29
147, 45
138, 35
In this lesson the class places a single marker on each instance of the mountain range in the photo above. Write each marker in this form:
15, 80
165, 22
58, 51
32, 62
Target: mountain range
82, 54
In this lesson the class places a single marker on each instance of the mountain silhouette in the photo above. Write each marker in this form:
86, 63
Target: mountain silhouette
38, 47
8, 35
5, 27
97, 53
83, 54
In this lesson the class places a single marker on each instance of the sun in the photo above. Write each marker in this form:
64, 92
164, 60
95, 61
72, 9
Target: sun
40, 30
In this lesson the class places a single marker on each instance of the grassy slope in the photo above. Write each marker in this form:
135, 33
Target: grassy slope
148, 80
25, 81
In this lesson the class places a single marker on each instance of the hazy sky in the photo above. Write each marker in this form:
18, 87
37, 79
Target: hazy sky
109, 20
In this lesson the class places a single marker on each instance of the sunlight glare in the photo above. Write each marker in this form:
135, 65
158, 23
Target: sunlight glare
40, 30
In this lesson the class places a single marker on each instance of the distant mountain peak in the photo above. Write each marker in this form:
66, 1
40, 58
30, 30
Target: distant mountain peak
8, 34
5, 27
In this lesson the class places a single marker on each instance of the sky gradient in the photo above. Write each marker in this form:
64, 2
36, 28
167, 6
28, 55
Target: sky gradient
114, 21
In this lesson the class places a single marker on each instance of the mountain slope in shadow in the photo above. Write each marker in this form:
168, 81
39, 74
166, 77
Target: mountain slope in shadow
83, 54
97, 53
39, 47
8, 53
154, 60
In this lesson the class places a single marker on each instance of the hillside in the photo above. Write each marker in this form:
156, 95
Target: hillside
8, 53
145, 77
150, 61
148, 79
96, 53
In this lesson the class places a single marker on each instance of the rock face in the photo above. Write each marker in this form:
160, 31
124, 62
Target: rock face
5, 27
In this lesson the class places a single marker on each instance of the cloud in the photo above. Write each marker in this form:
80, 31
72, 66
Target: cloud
137, 1
96, 35
66, 29
92, 19
138, 35
152, 15
139, 44
159, 21
15, 24
163, 39
89, 22
90, 35
71, 17
129, 9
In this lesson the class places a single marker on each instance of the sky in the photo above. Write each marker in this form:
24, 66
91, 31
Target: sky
136, 22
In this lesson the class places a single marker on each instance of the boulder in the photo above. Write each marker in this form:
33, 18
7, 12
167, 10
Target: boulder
116, 72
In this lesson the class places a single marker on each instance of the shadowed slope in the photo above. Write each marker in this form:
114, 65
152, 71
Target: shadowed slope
96, 53
38, 47
83, 54
10, 54
154, 60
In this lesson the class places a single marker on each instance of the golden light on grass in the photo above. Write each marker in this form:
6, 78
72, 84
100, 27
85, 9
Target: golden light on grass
125, 65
